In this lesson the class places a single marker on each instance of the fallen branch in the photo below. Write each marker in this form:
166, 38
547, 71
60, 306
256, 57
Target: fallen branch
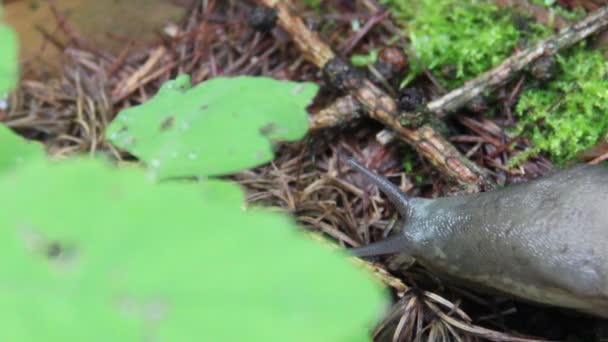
342, 110
378, 105
126, 86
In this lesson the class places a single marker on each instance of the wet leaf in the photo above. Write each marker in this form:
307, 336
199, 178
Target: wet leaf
15, 150
92, 253
217, 127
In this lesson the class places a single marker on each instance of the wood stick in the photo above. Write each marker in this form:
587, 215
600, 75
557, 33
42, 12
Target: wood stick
379, 105
341, 110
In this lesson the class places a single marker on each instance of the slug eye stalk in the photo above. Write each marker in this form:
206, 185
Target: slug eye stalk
391, 245
400, 200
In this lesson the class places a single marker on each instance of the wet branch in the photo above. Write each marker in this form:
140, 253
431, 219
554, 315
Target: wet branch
379, 105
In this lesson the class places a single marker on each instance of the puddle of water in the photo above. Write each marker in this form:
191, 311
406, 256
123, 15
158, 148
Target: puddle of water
109, 24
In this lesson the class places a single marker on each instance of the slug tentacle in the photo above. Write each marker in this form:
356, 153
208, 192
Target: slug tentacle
394, 244
394, 194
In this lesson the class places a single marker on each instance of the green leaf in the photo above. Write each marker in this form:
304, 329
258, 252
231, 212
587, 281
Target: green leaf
218, 127
15, 150
8, 59
364, 60
568, 113
92, 253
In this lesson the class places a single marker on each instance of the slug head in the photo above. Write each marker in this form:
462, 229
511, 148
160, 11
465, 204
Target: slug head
400, 200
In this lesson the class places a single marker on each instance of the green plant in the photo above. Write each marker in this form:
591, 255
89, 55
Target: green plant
469, 36
364, 60
8, 59
115, 257
219, 126
91, 252
569, 114
15, 151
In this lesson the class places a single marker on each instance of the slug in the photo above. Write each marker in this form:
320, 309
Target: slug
544, 241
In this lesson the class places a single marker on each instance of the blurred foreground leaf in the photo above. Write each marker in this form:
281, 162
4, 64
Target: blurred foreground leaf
15, 150
93, 253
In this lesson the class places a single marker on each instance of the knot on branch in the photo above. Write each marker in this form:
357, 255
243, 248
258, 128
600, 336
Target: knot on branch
342, 76
262, 18
544, 68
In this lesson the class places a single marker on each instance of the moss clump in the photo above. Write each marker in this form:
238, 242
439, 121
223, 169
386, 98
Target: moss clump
569, 114
469, 37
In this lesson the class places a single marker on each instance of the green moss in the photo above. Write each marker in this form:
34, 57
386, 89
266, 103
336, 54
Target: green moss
361, 60
408, 165
569, 114
468, 36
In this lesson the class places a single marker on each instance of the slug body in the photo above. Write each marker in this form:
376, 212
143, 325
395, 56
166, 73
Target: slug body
545, 240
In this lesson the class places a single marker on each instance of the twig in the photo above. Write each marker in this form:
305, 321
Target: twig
380, 106
477, 330
599, 159
352, 42
342, 110
307, 41
390, 26
510, 66
127, 86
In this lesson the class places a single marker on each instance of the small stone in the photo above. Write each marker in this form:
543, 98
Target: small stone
544, 69
340, 75
262, 18
410, 99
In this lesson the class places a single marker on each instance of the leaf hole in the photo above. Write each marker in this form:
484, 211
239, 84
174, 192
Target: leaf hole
167, 123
